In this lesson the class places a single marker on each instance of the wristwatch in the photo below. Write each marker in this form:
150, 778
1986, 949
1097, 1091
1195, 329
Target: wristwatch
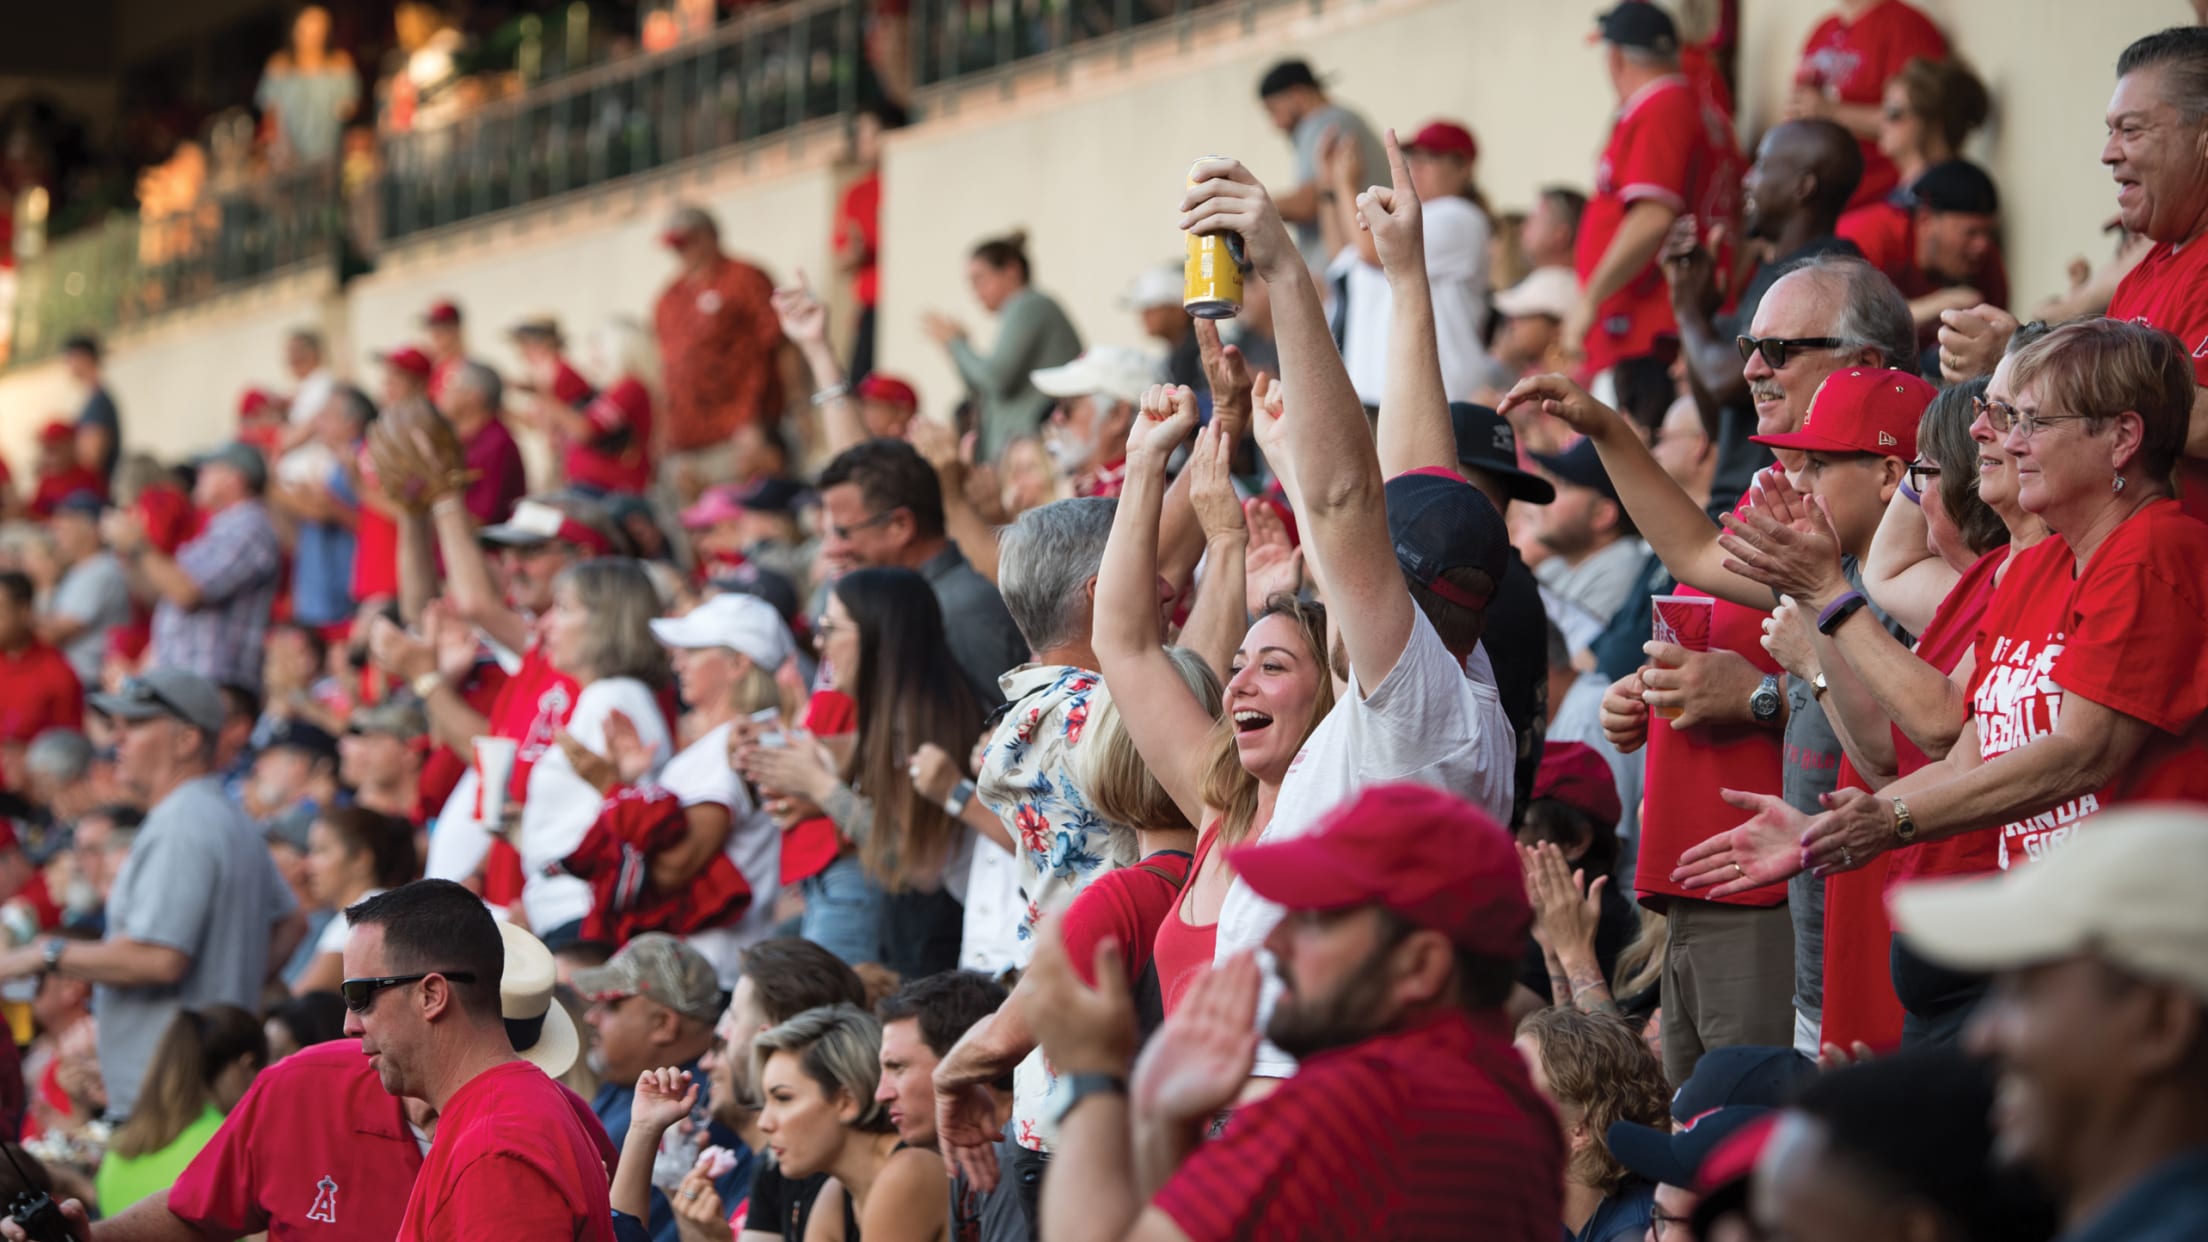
961, 794
1078, 1087
49, 953
1763, 705
427, 684
1905, 824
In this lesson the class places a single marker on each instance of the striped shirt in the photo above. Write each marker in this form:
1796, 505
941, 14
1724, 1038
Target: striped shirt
1429, 1132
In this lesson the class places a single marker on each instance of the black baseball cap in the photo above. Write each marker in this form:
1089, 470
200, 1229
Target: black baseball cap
1752, 1075
81, 502
1581, 466
1485, 440
1675, 1158
1439, 522
769, 494
291, 733
1285, 76
1956, 185
1637, 23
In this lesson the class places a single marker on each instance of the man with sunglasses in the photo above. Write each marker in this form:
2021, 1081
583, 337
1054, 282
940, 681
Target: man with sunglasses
198, 915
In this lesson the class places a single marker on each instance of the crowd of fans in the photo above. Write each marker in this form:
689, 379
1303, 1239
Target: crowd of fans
1336, 776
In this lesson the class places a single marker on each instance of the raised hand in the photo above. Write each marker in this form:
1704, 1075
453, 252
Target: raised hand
1228, 199
1559, 398
804, 320
1767, 849
941, 328
399, 654
1269, 404
1228, 373
1273, 565
1211, 485
453, 640
663, 1097
1689, 271
631, 756
933, 772
596, 770
1394, 217
936, 441
1566, 908
1167, 415
1200, 1058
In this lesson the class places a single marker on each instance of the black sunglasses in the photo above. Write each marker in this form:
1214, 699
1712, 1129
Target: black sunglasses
360, 994
1775, 349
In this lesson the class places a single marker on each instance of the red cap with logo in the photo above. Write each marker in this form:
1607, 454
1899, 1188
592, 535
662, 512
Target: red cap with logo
1429, 856
1861, 410
888, 388
408, 359
1445, 138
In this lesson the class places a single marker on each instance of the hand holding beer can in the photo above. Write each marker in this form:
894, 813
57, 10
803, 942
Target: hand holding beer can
1212, 277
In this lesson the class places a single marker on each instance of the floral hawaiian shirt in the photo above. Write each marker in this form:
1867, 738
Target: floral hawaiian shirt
1029, 779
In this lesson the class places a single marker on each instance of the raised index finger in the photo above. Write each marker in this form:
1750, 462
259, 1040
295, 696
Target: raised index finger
1399, 170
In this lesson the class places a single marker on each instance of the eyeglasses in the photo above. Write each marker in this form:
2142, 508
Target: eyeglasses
844, 533
1775, 349
1658, 1221
2001, 416
1920, 472
360, 994
1894, 114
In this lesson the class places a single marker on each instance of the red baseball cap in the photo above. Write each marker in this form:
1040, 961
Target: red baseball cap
442, 311
253, 400
408, 359
57, 432
1445, 138
1575, 775
1861, 410
1427, 855
888, 388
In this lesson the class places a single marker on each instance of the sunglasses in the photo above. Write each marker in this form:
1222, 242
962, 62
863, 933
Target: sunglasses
360, 994
1776, 349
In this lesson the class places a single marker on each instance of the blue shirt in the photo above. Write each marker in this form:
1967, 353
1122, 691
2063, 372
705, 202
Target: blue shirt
1622, 1216
2169, 1204
322, 564
613, 1104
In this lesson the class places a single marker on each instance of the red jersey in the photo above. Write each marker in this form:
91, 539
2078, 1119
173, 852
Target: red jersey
2169, 290
55, 488
512, 1160
1411, 1135
617, 457
2130, 633
41, 692
859, 219
333, 1171
375, 541
1851, 61
531, 707
1669, 147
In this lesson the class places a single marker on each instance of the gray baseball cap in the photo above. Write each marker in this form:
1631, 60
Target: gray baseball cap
241, 457
662, 968
173, 692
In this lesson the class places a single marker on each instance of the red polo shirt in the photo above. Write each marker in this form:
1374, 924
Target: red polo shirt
1431, 1132
513, 1160
2169, 290
340, 1168
41, 692
1851, 61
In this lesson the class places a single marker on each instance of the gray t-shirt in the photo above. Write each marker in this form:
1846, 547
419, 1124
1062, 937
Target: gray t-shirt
198, 879
94, 592
1813, 770
1308, 138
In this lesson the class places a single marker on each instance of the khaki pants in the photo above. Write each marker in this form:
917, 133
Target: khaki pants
1728, 979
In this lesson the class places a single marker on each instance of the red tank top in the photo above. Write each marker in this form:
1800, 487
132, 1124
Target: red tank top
1183, 948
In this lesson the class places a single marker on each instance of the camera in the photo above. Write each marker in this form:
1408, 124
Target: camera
39, 1217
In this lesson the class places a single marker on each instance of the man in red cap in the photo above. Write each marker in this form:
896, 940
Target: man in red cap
718, 343
59, 474
887, 405
406, 374
1412, 1115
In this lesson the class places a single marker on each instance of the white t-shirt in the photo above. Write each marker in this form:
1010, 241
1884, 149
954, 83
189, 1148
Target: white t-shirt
992, 942
699, 775
334, 932
1430, 720
1456, 267
562, 806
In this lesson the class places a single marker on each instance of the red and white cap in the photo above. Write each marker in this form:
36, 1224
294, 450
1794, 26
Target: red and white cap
1861, 410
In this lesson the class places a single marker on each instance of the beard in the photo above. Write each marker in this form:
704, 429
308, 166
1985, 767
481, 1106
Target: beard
1304, 1025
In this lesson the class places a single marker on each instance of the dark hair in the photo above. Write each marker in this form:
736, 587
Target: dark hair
120, 815
21, 1173
1568, 202
82, 343
585, 954
238, 702
1943, 438
911, 691
363, 410
1551, 819
1946, 96
386, 839
2184, 51
790, 975
1917, 1125
1459, 627
197, 1046
16, 585
311, 636
436, 925
890, 474
946, 1005
1009, 250
315, 1018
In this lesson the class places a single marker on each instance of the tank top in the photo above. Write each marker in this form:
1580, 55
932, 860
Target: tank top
1182, 949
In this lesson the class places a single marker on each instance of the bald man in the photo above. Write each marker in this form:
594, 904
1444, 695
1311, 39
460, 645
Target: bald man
1791, 199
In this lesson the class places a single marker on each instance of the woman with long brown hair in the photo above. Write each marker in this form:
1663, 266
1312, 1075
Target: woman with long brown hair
199, 1072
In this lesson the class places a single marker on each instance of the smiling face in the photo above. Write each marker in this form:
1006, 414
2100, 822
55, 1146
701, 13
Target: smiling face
1997, 478
804, 1125
837, 636
1796, 307
1270, 695
1955, 245
2063, 469
2156, 158
566, 631
2055, 1030
907, 1087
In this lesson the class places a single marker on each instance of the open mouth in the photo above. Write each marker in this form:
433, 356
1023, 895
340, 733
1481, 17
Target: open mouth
1250, 721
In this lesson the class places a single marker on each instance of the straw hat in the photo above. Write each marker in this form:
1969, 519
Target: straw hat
537, 1024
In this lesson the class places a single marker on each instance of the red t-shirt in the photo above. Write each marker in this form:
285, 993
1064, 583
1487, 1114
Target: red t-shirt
859, 215
2130, 633
1429, 1132
55, 488
1886, 233
512, 1160
618, 458
1953, 631
1851, 61
811, 844
1680, 807
1126, 906
2169, 290
333, 1170
38, 691
375, 542
500, 480
1669, 147
1182, 949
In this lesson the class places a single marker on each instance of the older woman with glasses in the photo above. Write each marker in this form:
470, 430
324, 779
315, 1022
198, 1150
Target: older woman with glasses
2091, 675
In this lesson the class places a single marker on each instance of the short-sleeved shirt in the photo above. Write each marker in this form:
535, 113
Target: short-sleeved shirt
700, 775
2169, 290
1886, 233
99, 411
500, 481
2129, 633
981, 631
198, 880
1457, 234
237, 564
1423, 1133
1667, 146
95, 592
1031, 779
718, 338
617, 457
1850, 61
1433, 719
511, 1160
322, 560
531, 707
1308, 141
313, 1174
38, 691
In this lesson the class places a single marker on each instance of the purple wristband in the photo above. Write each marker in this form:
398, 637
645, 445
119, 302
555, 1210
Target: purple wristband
1909, 493
1839, 609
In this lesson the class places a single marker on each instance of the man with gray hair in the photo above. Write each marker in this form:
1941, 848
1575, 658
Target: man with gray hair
57, 767
474, 397
198, 914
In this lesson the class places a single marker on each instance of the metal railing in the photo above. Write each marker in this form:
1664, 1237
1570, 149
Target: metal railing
762, 74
